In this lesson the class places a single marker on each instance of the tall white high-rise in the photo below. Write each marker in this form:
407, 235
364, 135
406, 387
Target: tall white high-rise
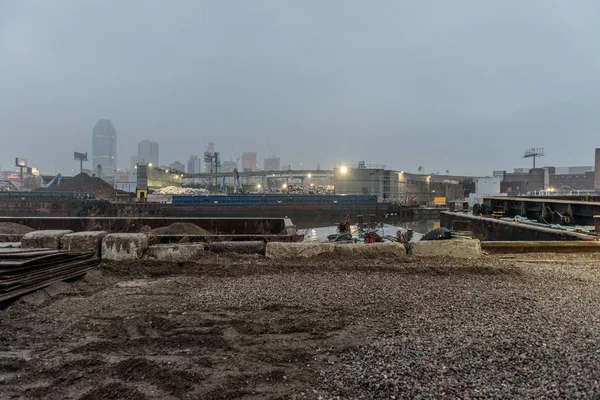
148, 152
104, 148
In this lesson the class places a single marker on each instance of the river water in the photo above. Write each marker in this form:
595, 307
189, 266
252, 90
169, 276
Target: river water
319, 234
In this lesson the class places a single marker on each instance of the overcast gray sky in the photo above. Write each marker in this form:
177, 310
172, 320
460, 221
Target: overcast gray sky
464, 85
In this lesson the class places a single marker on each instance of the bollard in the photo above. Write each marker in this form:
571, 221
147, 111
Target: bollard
451, 206
465, 205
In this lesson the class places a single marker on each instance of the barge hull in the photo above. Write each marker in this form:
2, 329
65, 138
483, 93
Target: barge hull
490, 229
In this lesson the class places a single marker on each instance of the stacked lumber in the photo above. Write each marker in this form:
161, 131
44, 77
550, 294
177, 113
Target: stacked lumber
26, 270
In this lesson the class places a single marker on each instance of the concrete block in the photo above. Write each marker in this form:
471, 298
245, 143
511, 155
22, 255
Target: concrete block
83, 241
371, 250
124, 246
10, 245
469, 248
43, 239
176, 251
294, 250
243, 247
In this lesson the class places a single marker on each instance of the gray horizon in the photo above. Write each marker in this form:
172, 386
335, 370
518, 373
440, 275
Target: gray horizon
464, 86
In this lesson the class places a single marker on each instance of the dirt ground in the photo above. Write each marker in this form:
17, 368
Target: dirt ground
246, 327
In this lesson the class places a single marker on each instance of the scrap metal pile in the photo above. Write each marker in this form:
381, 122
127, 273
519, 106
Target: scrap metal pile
178, 190
298, 189
25, 270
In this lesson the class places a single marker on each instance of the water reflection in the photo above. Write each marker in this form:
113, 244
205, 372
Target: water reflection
319, 234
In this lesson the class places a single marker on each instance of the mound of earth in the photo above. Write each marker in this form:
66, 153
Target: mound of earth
83, 183
11, 228
180, 228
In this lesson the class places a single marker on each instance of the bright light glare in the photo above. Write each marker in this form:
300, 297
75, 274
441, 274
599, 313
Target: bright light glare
150, 164
284, 186
310, 175
258, 186
344, 169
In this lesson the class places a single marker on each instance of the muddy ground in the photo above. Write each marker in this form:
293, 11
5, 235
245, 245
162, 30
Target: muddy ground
245, 327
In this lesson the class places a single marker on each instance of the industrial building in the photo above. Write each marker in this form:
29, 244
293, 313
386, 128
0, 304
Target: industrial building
524, 180
398, 186
104, 148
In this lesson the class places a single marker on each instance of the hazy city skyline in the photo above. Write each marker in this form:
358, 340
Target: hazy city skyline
465, 85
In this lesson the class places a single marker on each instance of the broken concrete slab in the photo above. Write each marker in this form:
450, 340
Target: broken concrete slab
83, 242
43, 239
176, 251
278, 250
242, 247
463, 248
123, 246
371, 250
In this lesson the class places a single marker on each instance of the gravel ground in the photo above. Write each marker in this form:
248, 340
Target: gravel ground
246, 327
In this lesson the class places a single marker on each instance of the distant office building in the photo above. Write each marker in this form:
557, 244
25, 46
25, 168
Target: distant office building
249, 162
104, 148
148, 152
133, 162
272, 164
229, 166
208, 167
177, 166
193, 165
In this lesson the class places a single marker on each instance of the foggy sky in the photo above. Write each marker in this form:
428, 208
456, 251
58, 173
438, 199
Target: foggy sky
460, 85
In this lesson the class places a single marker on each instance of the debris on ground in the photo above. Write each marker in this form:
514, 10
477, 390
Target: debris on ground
438, 234
248, 327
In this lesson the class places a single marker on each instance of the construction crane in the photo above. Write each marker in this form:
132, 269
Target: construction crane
236, 182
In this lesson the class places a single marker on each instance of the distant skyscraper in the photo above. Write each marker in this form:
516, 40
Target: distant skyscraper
207, 165
229, 166
104, 147
148, 152
193, 165
249, 162
178, 166
272, 164
134, 161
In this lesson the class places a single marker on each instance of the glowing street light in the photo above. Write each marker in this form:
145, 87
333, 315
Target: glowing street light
344, 169
284, 186
310, 175
150, 164
258, 186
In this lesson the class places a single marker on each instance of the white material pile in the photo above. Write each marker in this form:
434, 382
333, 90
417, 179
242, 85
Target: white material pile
178, 190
